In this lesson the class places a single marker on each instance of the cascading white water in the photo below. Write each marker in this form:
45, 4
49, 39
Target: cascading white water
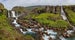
65, 18
29, 30
53, 36
15, 20
13, 14
8, 15
63, 14
18, 25
62, 38
70, 31
45, 37
51, 32
24, 32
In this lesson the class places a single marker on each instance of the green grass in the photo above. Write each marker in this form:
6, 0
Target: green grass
50, 19
28, 37
7, 32
71, 15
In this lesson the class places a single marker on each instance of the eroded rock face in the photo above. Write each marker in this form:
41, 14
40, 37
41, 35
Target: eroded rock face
1, 7
49, 9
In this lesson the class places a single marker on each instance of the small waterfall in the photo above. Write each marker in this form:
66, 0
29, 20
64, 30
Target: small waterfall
65, 18
63, 14
51, 33
15, 20
8, 14
13, 14
15, 23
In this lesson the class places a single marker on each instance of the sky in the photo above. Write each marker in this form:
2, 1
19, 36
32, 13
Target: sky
9, 4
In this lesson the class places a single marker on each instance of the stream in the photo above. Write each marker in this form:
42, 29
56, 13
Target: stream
51, 34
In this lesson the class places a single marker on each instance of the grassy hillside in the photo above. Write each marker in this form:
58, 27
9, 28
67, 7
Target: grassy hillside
70, 15
8, 32
49, 19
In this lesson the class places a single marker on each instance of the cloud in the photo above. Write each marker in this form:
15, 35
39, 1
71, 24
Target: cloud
11, 3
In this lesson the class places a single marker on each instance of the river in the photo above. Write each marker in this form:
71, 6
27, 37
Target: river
51, 34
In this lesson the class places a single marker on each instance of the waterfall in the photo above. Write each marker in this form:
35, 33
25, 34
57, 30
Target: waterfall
63, 14
13, 13
51, 33
8, 14
15, 20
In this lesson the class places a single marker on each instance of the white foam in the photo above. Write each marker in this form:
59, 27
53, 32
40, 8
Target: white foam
17, 25
41, 29
64, 18
24, 32
13, 13
51, 32
29, 30
70, 31
14, 22
45, 37
52, 36
8, 14
63, 14
62, 38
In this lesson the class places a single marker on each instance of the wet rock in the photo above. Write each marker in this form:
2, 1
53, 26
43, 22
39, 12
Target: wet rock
66, 35
50, 38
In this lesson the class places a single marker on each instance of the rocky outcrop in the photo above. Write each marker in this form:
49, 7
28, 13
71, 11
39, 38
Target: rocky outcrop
1, 8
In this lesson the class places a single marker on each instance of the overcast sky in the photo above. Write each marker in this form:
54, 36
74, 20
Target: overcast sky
11, 3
